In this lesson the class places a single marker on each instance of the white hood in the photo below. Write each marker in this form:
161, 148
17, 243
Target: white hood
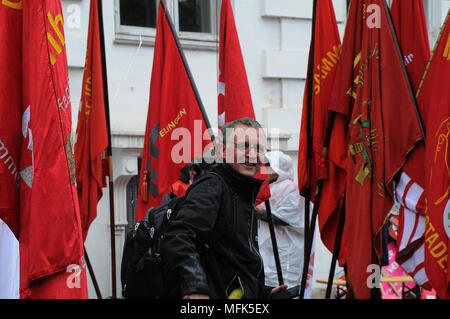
282, 164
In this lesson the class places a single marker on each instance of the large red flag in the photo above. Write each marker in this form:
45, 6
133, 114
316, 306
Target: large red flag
234, 97
92, 134
50, 230
176, 131
407, 16
372, 94
435, 96
327, 50
10, 140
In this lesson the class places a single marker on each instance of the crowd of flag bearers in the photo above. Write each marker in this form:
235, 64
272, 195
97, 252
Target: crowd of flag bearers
374, 134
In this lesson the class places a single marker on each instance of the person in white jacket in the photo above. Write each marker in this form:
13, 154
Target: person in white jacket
287, 207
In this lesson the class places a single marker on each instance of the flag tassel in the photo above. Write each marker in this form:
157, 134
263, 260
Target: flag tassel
144, 189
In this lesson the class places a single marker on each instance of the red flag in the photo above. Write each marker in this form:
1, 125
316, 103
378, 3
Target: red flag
10, 140
327, 50
407, 16
50, 230
372, 94
234, 97
175, 129
10, 104
435, 96
92, 134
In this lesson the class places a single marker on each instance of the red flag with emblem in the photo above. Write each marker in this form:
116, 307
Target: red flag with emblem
407, 16
435, 96
92, 134
10, 140
176, 131
234, 97
327, 50
372, 94
50, 229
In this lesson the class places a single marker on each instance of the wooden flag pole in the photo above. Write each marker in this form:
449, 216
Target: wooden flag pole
109, 154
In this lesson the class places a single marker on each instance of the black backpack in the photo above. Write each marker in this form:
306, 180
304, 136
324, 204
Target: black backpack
141, 270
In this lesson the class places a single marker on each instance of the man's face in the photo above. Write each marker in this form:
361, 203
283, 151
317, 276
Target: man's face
245, 149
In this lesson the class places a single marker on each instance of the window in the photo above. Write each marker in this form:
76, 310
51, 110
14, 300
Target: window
195, 21
132, 197
138, 13
194, 15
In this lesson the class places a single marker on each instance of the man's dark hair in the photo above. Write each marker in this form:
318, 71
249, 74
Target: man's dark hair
247, 121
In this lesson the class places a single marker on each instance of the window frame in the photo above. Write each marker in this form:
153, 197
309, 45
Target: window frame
146, 36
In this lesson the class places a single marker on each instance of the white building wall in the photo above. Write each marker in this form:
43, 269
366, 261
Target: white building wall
274, 37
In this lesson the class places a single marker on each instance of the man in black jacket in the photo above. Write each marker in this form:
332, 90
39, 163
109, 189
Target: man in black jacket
210, 248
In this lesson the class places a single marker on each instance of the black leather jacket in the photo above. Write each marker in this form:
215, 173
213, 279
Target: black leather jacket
211, 246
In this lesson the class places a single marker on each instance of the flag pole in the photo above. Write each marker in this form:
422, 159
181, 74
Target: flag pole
91, 272
336, 250
274, 243
402, 62
308, 247
109, 153
188, 71
309, 109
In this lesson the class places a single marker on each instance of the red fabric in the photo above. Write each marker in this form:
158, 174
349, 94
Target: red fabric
234, 99
11, 119
407, 16
327, 50
92, 134
435, 97
50, 229
372, 95
172, 106
70, 284
179, 188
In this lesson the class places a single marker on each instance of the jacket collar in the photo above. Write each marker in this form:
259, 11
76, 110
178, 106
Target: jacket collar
241, 184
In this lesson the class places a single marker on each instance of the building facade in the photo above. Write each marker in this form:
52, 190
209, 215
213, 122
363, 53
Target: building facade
274, 37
